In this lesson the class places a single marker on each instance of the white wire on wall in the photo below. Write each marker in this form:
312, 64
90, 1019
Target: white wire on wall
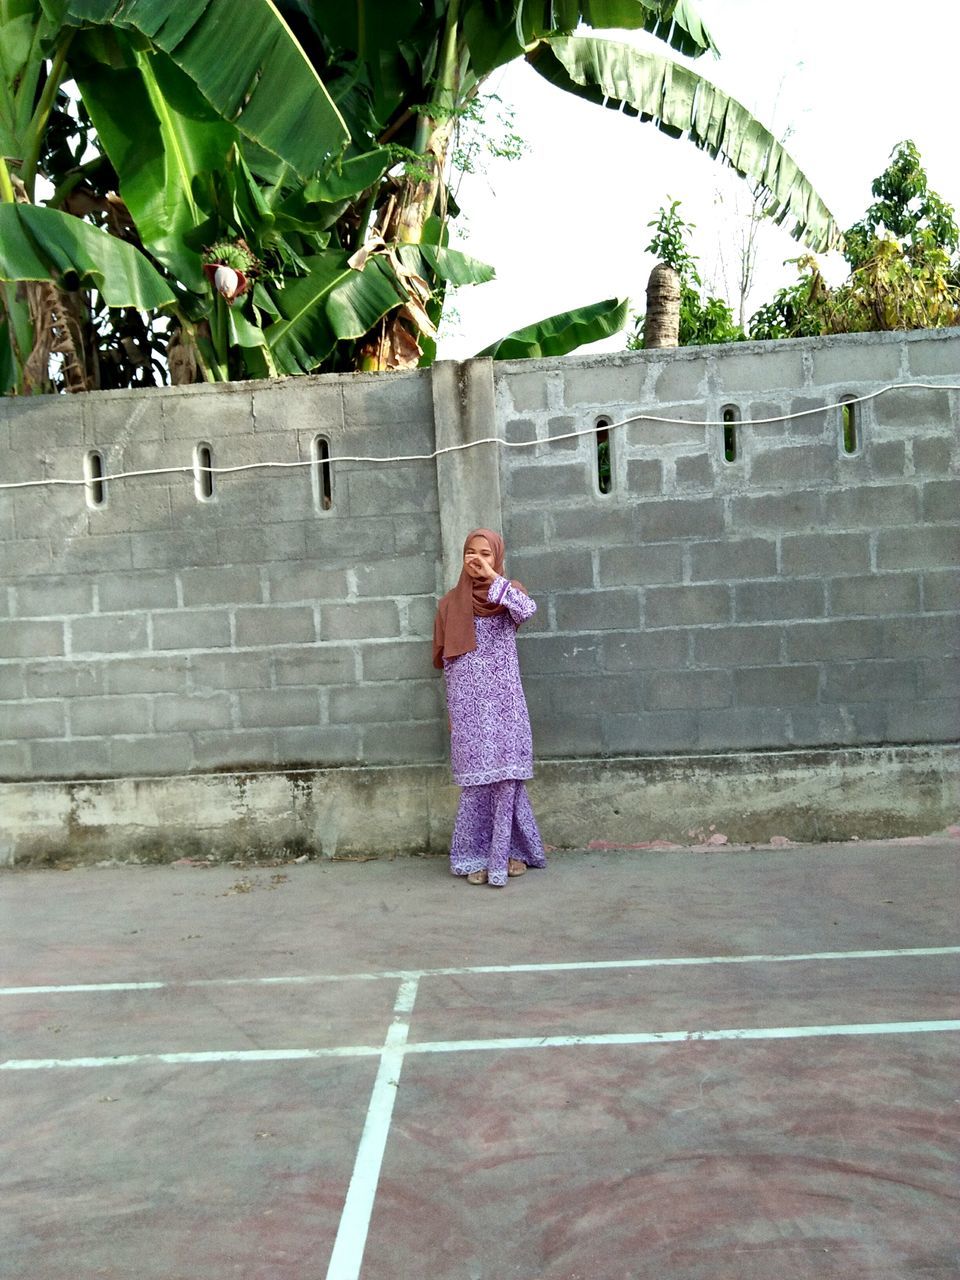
505, 444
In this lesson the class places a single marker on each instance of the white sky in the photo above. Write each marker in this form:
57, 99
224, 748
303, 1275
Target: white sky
566, 225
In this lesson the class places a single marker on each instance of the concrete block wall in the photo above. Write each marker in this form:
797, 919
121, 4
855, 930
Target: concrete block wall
797, 596
164, 634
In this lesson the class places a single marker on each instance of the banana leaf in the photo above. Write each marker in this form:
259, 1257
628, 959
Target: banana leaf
248, 66
341, 181
44, 244
242, 332
316, 206
678, 23
8, 368
332, 303
162, 137
451, 265
356, 24
16, 336
497, 32
20, 66
296, 213
680, 102
560, 334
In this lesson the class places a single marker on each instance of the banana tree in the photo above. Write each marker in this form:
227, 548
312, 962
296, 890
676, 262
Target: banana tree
193, 98
404, 74
287, 173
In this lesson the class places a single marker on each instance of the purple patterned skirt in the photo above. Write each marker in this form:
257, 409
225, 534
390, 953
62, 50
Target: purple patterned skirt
495, 823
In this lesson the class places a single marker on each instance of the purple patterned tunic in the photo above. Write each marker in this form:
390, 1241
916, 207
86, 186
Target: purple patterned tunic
490, 738
491, 747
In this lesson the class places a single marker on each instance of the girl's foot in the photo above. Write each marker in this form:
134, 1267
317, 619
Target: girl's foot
477, 877
515, 867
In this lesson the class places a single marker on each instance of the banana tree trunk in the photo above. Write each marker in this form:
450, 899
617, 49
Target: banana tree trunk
661, 327
396, 342
422, 191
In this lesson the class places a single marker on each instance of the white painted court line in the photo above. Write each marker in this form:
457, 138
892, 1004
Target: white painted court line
666, 962
681, 1037
211, 1055
357, 1209
72, 988
396, 1047
643, 962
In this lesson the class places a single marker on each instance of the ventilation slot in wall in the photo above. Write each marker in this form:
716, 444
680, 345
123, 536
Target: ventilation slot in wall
321, 473
604, 456
95, 488
731, 417
203, 472
849, 426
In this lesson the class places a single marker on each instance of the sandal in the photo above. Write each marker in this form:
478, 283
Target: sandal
477, 877
515, 867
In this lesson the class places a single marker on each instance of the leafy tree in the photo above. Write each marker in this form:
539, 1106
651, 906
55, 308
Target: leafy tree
905, 272
700, 320
905, 210
795, 311
243, 193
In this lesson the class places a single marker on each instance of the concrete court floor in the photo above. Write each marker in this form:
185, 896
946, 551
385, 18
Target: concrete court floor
531, 1122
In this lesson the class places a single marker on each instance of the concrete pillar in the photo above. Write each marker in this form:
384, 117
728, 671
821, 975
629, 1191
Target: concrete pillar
468, 481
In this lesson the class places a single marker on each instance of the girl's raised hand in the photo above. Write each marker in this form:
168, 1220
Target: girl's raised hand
481, 568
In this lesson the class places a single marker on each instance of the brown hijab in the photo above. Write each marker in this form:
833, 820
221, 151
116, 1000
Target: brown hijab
453, 629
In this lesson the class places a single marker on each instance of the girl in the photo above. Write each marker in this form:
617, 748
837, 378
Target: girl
474, 643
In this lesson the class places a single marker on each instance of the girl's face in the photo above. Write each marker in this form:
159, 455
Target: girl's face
478, 559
